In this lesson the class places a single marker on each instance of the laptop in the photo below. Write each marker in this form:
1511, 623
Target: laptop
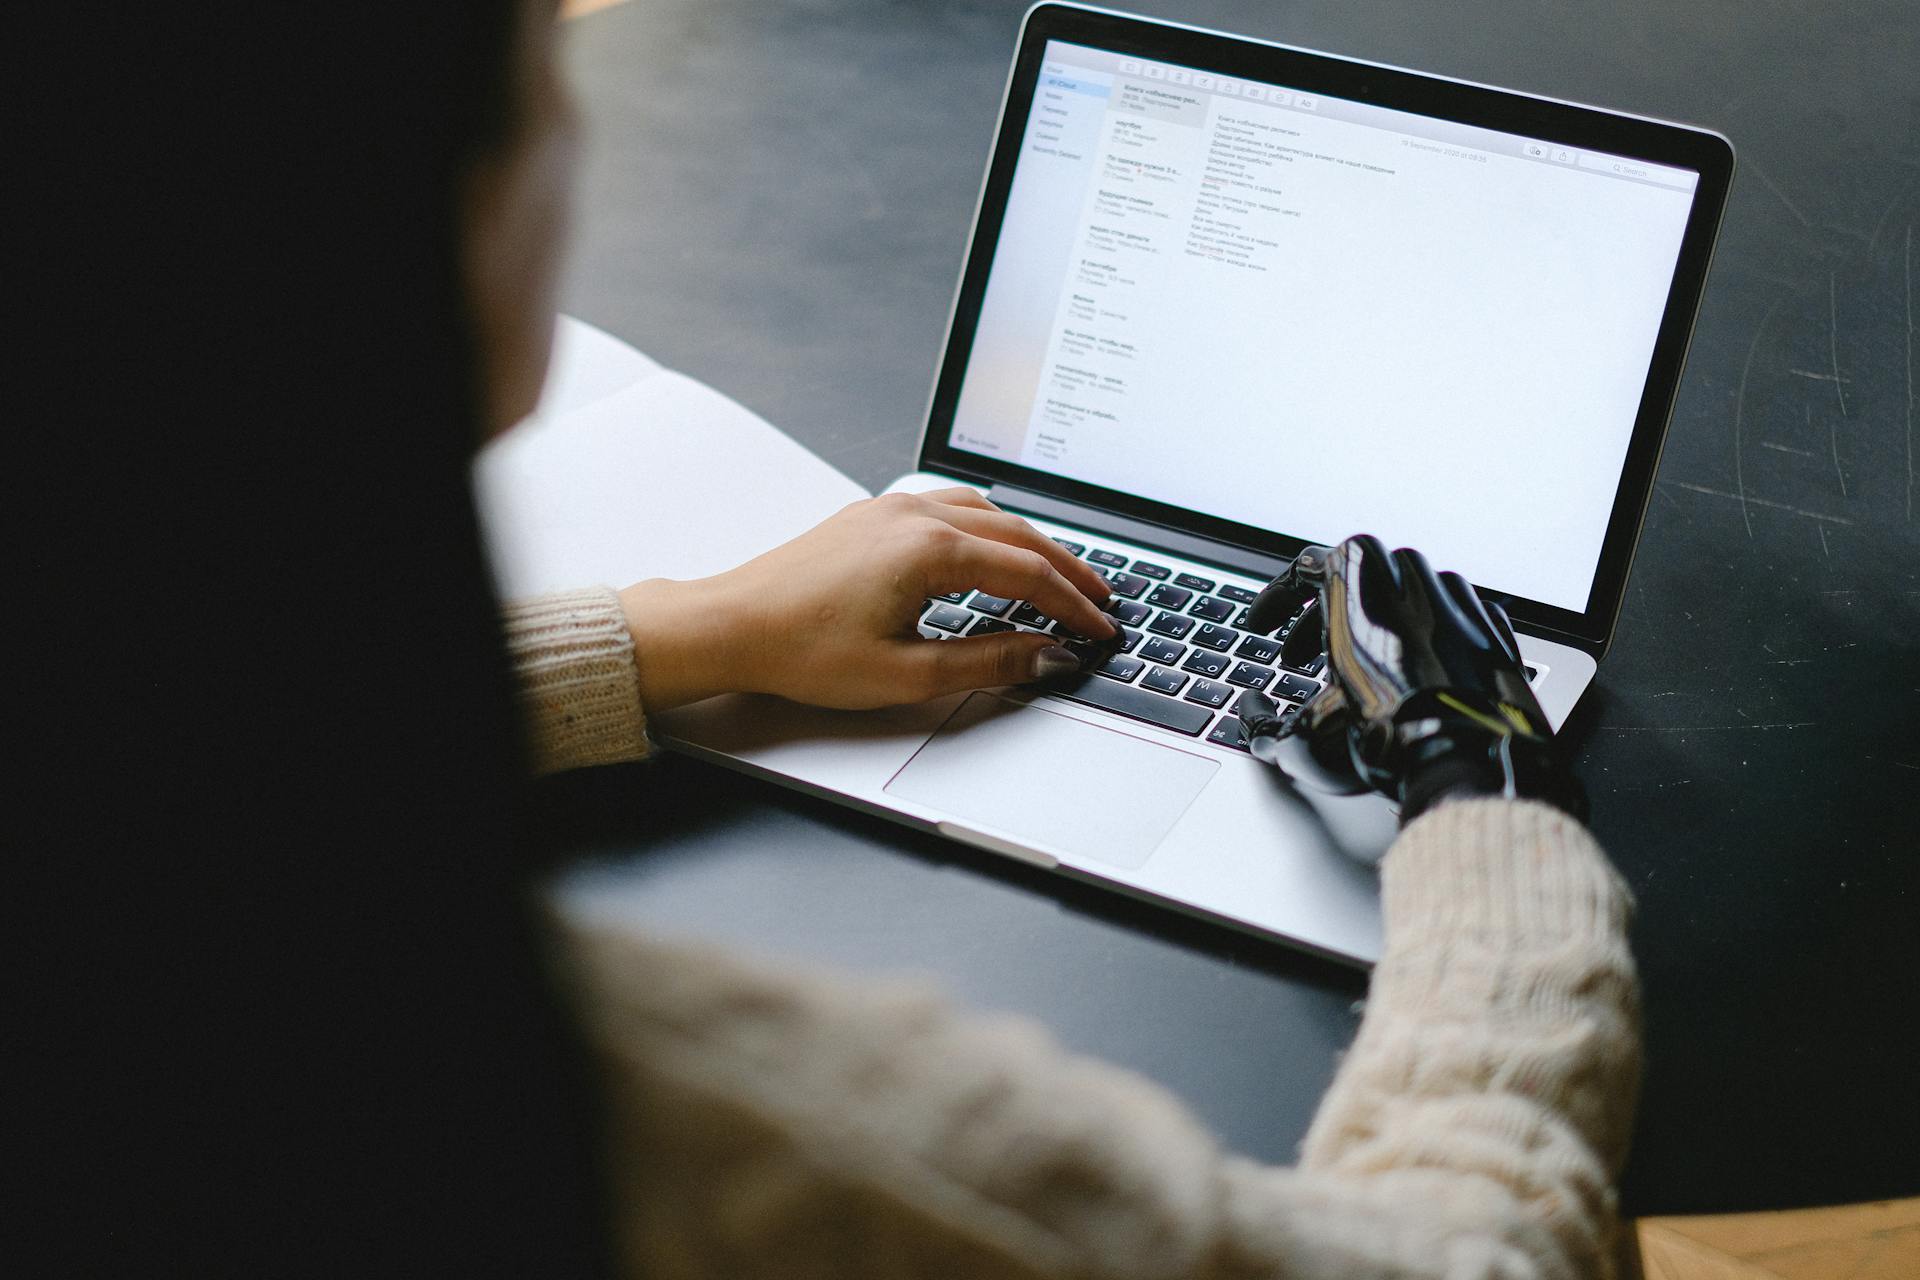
1224, 299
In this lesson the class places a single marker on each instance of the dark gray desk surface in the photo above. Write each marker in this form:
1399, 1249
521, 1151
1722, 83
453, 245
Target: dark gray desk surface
775, 200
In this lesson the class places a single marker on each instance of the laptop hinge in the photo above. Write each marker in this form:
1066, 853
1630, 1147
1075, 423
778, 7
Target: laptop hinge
1594, 649
1254, 564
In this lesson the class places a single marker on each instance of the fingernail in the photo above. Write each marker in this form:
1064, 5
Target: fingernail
1053, 662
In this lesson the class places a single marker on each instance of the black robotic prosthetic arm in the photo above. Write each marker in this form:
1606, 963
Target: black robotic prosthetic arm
1426, 696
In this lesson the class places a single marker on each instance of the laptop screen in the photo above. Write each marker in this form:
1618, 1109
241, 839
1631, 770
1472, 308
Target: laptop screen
1319, 316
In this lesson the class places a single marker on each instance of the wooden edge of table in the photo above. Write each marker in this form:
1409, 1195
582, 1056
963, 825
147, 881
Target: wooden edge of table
1874, 1241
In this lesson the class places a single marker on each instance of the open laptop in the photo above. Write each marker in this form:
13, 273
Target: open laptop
1225, 298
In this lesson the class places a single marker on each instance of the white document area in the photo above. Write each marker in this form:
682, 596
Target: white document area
1320, 320
630, 471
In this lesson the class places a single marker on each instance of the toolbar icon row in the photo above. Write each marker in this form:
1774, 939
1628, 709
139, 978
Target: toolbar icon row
1224, 85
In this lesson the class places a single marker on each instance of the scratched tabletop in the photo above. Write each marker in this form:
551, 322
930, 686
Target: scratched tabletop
775, 200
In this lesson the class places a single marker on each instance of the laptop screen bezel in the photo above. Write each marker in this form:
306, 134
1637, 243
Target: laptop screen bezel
1546, 120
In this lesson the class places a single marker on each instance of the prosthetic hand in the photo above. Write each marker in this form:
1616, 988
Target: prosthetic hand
1426, 697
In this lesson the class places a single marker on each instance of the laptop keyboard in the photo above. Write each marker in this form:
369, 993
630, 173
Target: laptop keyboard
1185, 656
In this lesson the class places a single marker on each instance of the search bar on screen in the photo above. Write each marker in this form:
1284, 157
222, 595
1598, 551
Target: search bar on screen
1623, 168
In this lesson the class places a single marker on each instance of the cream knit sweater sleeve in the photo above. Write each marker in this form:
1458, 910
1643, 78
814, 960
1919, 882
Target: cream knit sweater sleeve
771, 1121
579, 692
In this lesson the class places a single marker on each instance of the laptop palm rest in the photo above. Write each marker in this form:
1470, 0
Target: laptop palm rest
1082, 790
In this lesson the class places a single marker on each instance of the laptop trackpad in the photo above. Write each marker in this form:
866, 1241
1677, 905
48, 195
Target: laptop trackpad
1048, 779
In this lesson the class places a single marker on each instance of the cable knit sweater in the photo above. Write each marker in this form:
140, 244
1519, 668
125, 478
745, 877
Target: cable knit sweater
775, 1122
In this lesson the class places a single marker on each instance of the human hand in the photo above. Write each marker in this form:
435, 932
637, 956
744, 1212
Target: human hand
830, 618
1426, 695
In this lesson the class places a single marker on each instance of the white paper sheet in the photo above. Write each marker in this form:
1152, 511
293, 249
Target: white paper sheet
631, 471
588, 364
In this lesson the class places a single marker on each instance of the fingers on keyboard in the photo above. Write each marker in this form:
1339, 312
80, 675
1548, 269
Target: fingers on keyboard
1180, 657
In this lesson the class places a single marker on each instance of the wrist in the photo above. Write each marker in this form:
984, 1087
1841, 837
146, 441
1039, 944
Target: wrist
689, 641
1465, 763
1435, 784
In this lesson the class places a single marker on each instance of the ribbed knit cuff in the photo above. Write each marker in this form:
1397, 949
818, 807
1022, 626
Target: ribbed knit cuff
1516, 869
579, 689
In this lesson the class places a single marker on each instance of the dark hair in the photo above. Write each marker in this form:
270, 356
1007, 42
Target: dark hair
285, 1012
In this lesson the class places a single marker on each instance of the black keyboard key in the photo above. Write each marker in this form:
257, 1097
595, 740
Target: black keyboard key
1163, 651
1250, 675
1258, 649
1108, 558
1212, 637
1131, 612
1138, 703
1274, 697
1170, 597
1073, 548
1239, 595
1279, 632
1071, 638
1205, 662
1309, 667
953, 597
1193, 582
1227, 734
1161, 680
1092, 653
1209, 693
1146, 569
997, 606
1126, 585
947, 618
1172, 625
1211, 609
1296, 688
1121, 667
1028, 616
988, 626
